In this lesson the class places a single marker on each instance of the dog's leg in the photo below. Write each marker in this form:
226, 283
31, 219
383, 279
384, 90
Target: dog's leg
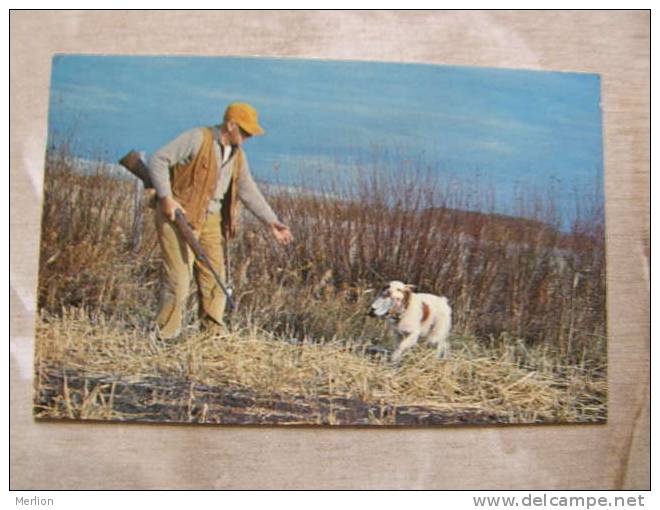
442, 351
438, 337
408, 341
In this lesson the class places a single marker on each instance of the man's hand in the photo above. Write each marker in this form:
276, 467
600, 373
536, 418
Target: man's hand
169, 206
281, 232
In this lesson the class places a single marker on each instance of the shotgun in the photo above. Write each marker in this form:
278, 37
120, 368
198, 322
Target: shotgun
134, 164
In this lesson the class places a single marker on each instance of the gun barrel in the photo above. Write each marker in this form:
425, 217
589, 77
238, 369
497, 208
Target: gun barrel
186, 232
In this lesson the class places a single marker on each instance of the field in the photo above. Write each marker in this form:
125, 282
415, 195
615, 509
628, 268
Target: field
528, 343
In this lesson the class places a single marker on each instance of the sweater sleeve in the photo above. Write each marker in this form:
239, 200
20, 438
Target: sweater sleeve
182, 149
251, 196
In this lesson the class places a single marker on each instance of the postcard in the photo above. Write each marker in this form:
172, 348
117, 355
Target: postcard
315, 242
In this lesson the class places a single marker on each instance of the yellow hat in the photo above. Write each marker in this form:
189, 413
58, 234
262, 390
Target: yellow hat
245, 116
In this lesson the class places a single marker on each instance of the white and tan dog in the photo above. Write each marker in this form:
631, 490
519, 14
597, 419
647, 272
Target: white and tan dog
413, 316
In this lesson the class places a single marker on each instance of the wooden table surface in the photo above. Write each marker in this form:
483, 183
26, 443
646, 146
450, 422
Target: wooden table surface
617, 455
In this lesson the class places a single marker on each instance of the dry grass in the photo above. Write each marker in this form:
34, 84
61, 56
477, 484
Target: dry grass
528, 343
491, 380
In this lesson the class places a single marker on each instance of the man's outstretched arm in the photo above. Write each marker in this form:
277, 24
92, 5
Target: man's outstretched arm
251, 196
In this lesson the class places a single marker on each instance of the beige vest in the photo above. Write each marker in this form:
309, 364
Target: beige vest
193, 186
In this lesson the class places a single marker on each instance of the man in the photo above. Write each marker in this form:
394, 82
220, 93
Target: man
204, 172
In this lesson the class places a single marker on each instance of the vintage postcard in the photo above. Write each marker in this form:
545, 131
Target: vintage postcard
309, 242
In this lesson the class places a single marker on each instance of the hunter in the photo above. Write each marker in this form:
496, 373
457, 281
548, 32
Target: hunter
204, 172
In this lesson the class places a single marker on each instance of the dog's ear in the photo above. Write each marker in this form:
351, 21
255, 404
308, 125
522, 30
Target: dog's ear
410, 286
407, 293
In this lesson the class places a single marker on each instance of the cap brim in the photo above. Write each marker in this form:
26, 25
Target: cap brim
252, 129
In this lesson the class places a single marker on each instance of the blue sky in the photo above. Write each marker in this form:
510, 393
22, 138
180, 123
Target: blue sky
513, 128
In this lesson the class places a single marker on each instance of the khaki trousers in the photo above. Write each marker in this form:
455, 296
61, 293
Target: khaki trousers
179, 265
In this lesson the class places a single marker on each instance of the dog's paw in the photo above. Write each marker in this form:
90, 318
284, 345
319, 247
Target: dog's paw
377, 350
442, 354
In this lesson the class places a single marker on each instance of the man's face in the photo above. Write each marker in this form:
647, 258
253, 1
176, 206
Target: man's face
236, 134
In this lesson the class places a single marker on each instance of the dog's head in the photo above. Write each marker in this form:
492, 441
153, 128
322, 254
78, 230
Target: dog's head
393, 300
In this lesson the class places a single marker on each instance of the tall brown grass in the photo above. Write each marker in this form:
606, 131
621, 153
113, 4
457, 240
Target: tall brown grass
518, 285
501, 274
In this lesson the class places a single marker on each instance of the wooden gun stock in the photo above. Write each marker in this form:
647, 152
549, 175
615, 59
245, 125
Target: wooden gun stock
134, 164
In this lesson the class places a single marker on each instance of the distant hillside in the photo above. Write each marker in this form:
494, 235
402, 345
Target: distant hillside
492, 225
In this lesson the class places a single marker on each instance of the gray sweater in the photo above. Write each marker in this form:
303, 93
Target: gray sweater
183, 149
